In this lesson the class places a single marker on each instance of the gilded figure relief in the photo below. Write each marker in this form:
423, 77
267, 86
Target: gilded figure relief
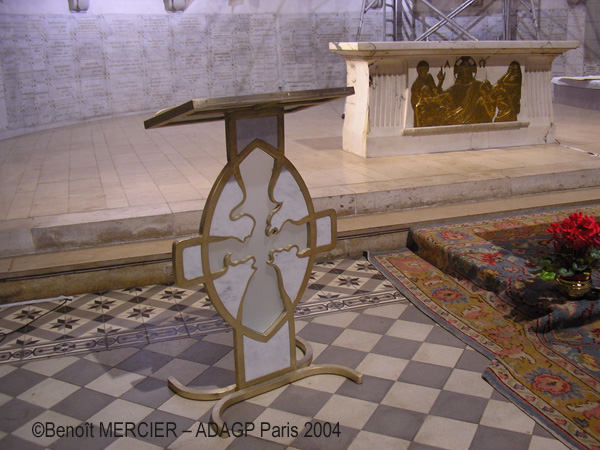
468, 100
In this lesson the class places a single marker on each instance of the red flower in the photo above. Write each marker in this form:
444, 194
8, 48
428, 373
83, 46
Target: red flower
577, 231
576, 245
552, 384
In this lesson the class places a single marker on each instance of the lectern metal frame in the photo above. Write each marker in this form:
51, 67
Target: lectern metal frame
258, 239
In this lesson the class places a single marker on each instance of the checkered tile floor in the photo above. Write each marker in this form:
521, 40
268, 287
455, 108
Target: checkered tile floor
422, 387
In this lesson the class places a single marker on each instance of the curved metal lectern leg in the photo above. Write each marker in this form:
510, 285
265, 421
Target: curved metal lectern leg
306, 349
218, 393
198, 394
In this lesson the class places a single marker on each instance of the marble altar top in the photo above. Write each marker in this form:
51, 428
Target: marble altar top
418, 48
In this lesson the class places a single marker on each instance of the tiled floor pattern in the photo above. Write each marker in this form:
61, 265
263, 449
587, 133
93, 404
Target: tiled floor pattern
422, 388
148, 314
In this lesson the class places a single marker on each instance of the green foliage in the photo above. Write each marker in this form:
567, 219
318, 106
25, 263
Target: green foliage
547, 275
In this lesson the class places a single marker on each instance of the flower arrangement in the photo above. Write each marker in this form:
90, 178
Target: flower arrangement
576, 248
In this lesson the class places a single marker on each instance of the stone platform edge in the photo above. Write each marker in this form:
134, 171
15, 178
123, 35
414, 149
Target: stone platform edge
126, 225
107, 267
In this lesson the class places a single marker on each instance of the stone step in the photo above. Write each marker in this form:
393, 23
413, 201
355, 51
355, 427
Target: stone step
127, 225
115, 266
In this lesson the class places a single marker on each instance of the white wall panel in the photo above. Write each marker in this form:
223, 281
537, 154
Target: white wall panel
124, 56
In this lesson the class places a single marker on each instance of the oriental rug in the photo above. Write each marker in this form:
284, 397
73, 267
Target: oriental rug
477, 280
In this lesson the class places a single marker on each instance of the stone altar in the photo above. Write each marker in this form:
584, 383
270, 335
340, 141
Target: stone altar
451, 81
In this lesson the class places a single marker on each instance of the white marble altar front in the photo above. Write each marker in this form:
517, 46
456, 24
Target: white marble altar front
379, 118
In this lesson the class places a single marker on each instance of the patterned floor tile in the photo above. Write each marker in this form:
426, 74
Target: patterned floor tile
396, 347
204, 352
357, 340
349, 412
446, 433
47, 417
386, 419
440, 355
342, 356
367, 440
47, 393
421, 390
300, 400
74, 443
186, 408
323, 383
466, 408
372, 389
325, 334
120, 411
277, 426
16, 443
440, 336
540, 443
16, 413
122, 338
172, 347
128, 443
338, 320
310, 438
506, 416
409, 330
502, 439
185, 371
411, 397
382, 366
161, 436
115, 382
49, 367
117, 318
144, 362
83, 404
467, 382
473, 361
19, 380
372, 324
113, 356
424, 374
213, 377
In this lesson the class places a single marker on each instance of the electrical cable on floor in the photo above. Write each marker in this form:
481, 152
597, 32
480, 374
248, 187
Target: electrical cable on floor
65, 299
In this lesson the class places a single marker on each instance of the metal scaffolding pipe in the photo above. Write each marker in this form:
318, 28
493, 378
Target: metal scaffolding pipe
443, 22
450, 20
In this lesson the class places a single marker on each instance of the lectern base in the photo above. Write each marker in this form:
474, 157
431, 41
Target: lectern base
230, 396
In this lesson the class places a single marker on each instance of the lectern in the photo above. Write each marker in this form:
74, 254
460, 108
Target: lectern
259, 235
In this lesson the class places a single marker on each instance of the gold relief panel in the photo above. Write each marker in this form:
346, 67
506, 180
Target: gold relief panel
468, 100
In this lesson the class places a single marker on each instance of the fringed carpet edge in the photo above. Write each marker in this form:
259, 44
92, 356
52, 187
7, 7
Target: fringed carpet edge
498, 375
421, 304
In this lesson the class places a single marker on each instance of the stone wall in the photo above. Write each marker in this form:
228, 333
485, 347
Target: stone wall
61, 67
592, 38
125, 56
